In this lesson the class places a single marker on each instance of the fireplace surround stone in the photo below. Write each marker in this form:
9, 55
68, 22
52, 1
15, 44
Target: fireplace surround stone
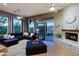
73, 39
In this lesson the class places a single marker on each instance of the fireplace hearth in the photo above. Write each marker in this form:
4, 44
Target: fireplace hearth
71, 36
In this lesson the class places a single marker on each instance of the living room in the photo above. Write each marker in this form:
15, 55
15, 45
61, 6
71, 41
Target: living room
39, 29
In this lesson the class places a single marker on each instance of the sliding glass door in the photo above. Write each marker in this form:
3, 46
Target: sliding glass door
41, 27
46, 29
31, 26
49, 30
50, 27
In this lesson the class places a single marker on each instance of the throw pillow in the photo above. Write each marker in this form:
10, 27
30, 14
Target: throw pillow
9, 36
12, 36
1, 36
25, 34
5, 36
31, 34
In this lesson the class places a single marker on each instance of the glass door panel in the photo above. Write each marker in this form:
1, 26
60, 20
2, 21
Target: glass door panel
31, 25
50, 26
49, 31
41, 27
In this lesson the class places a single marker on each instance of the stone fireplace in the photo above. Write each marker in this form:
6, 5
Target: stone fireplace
70, 36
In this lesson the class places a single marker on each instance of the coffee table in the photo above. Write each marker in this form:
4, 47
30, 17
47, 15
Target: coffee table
32, 49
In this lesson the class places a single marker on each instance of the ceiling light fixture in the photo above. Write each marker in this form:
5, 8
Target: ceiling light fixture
19, 17
52, 7
4, 4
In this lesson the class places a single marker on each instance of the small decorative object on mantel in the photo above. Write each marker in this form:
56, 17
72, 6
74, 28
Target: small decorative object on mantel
70, 22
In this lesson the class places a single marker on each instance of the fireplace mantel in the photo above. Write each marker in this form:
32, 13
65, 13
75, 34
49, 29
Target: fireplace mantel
71, 30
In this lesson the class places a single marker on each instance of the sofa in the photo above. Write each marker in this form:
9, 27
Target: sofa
12, 41
19, 36
2, 39
9, 42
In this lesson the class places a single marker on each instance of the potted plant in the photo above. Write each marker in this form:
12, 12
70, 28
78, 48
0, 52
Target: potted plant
59, 35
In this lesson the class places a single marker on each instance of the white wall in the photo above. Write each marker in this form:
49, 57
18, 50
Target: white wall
67, 15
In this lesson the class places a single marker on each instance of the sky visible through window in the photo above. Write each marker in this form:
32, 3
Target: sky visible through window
3, 19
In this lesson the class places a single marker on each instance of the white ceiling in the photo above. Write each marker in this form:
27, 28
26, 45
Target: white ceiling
29, 9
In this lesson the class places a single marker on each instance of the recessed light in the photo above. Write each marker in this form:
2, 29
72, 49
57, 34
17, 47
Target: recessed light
52, 8
4, 4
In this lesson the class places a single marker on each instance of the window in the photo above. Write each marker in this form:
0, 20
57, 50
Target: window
31, 25
17, 25
3, 24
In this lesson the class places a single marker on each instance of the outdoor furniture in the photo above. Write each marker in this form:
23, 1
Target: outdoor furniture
38, 47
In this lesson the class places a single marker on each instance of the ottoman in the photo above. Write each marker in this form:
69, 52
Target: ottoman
32, 49
9, 42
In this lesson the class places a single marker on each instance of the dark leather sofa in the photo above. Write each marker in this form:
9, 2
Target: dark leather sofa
11, 41
2, 39
19, 36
